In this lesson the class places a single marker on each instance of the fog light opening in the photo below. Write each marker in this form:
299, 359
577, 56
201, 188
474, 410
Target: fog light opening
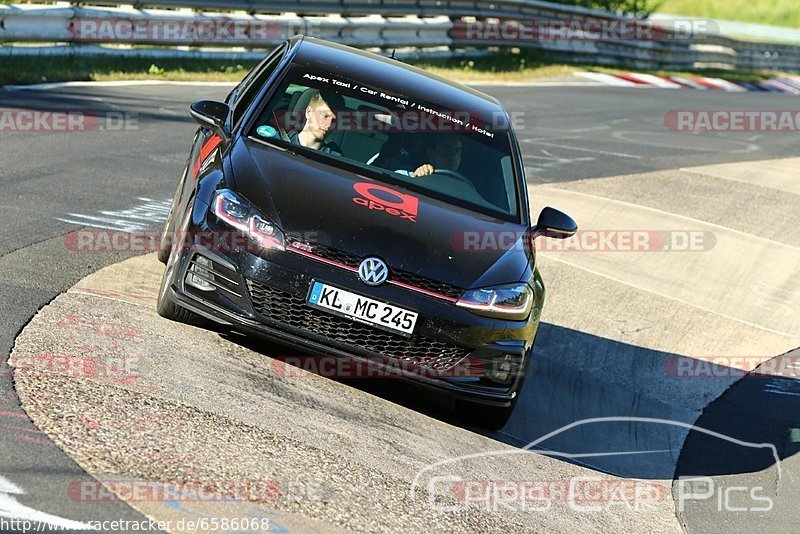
199, 274
502, 370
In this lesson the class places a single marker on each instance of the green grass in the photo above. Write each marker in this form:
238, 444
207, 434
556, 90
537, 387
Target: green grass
776, 12
19, 70
503, 68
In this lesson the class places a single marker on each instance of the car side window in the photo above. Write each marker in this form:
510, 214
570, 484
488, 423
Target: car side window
252, 83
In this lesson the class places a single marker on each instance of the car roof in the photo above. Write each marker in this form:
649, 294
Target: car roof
395, 76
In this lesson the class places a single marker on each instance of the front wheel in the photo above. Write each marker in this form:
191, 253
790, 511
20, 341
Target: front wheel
167, 309
165, 306
165, 243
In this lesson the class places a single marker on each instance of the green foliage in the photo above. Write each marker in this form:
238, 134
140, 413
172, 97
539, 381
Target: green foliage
775, 12
636, 8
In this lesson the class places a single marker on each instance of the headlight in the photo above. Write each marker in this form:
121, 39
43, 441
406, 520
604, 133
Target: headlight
511, 301
240, 214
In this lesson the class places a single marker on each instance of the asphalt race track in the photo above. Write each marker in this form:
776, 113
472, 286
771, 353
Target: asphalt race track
635, 347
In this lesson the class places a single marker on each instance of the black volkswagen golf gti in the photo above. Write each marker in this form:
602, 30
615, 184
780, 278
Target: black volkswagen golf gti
355, 207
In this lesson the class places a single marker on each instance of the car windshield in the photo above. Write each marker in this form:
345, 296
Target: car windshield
454, 155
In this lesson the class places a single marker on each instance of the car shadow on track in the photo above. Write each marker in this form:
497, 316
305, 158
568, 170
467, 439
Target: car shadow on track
623, 409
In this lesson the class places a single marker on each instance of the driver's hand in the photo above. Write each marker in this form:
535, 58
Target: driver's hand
424, 170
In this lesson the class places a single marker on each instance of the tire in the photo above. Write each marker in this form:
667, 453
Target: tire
165, 306
173, 312
165, 244
163, 249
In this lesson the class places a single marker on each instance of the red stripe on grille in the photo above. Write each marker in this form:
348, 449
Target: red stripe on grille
423, 291
293, 248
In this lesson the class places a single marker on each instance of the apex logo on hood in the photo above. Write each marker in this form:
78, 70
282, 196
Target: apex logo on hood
382, 198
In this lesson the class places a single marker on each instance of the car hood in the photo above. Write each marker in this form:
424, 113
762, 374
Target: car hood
361, 216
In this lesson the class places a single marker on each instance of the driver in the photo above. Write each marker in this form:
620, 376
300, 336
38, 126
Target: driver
445, 154
319, 119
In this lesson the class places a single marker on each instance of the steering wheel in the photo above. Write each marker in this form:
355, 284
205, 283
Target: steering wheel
457, 176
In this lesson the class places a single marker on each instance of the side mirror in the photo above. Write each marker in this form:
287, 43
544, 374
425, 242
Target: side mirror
554, 223
212, 115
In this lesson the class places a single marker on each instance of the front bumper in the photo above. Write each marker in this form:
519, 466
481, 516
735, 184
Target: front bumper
451, 348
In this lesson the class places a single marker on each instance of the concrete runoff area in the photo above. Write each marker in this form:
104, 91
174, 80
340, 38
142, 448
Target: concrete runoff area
631, 329
698, 193
752, 276
782, 173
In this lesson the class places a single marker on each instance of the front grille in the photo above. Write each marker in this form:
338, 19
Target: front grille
358, 338
333, 254
427, 284
398, 275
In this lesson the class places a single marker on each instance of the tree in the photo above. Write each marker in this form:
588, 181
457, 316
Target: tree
636, 8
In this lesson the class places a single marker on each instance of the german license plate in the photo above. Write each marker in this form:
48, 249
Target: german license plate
362, 309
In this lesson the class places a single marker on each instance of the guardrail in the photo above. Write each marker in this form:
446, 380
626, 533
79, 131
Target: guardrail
395, 8
432, 27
